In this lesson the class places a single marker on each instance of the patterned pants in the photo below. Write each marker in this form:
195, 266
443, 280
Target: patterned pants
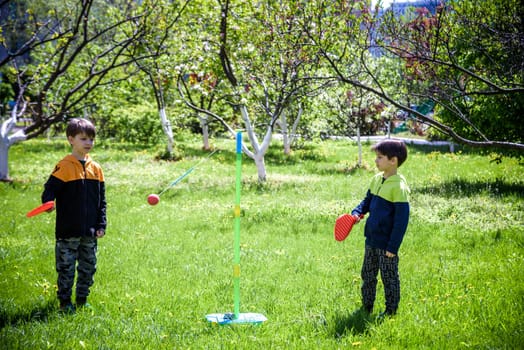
69, 252
375, 260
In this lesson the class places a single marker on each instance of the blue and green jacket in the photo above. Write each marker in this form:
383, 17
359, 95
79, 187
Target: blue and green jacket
387, 203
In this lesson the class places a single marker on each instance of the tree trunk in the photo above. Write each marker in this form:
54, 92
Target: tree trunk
288, 137
6, 140
261, 168
205, 132
4, 163
166, 125
293, 135
359, 142
259, 149
285, 137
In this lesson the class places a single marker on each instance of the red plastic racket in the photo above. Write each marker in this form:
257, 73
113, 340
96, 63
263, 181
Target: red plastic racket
343, 226
40, 209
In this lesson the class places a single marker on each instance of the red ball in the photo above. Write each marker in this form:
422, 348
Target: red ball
153, 199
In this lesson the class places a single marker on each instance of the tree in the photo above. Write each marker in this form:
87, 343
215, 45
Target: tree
75, 49
266, 63
479, 85
202, 90
289, 135
438, 59
201, 81
159, 67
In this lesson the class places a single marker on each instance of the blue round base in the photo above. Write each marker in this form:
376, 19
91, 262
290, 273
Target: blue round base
229, 318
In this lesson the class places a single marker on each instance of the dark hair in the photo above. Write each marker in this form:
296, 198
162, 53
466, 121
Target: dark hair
392, 148
76, 126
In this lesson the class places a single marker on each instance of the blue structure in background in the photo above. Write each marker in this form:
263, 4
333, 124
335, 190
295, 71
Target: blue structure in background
400, 7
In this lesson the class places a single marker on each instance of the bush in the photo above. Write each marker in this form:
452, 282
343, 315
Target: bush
138, 124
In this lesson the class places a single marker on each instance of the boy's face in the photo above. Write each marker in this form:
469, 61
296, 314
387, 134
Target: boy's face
385, 164
81, 144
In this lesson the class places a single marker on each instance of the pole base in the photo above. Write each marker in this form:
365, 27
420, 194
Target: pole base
229, 318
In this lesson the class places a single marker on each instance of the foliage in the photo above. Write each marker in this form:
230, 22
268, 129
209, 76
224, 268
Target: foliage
138, 124
74, 53
263, 74
347, 47
201, 81
7, 93
70, 58
497, 116
266, 32
162, 269
487, 42
352, 110
462, 56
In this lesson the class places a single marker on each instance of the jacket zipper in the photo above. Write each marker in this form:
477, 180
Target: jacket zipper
84, 188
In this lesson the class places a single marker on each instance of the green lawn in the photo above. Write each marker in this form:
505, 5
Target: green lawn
163, 268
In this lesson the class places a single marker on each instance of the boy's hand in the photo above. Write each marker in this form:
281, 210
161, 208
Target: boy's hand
358, 217
390, 254
100, 233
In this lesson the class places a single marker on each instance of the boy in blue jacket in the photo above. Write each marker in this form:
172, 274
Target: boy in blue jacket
77, 184
386, 202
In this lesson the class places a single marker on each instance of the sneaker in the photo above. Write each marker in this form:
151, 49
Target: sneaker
381, 316
81, 303
85, 306
67, 308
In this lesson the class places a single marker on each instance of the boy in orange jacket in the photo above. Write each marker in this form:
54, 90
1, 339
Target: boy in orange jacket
77, 185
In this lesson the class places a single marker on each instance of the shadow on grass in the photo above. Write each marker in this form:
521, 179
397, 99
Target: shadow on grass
39, 313
356, 323
466, 188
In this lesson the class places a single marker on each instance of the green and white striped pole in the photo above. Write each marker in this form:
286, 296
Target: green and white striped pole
236, 257
236, 317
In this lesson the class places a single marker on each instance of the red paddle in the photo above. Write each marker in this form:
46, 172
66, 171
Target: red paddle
343, 226
40, 209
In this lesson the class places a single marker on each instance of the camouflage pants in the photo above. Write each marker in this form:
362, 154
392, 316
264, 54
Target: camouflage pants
79, 253
375, 260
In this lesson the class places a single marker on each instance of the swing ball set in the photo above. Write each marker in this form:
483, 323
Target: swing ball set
342, 228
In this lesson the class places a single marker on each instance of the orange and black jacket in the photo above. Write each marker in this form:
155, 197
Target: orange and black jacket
79, 193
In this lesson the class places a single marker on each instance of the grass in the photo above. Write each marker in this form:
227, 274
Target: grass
162, 269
